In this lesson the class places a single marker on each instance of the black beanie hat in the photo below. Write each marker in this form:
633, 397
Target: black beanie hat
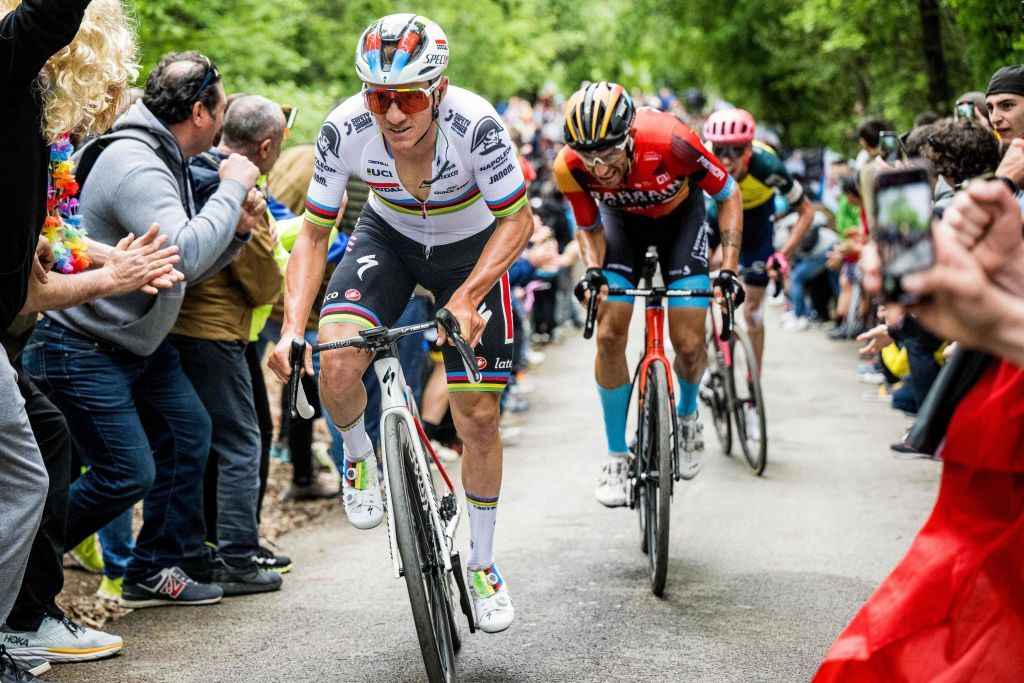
1009, 79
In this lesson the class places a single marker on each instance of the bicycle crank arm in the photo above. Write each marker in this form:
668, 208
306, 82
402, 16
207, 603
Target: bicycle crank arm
460, 582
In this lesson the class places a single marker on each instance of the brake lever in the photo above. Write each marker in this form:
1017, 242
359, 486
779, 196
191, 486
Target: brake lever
298, 404
447, 320
588, 326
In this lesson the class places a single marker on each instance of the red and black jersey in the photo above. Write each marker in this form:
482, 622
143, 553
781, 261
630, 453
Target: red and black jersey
666, 156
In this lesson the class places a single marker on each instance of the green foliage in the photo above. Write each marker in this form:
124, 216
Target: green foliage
811, 67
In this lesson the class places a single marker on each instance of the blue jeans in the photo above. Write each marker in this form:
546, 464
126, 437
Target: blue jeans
141, 429
803, 272
220, 375
117, 540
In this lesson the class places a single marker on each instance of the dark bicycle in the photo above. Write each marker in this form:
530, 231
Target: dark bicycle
655, 466
421, 525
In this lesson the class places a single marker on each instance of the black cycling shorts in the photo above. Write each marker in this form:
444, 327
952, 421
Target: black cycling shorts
681, 238
758, 241
379, 271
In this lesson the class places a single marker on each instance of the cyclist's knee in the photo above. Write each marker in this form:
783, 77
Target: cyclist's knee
754, 315
477, 420
341, 369
611, 340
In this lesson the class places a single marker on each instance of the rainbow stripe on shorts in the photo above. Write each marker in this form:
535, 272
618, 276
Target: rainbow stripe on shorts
491, 381
348, 312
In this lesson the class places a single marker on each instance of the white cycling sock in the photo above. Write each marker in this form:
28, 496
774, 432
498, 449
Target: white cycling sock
358, 446
483, 517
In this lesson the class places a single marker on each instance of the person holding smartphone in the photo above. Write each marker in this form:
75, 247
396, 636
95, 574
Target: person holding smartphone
952, 608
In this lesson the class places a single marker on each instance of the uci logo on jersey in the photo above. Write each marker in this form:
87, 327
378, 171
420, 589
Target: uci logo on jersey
380, 172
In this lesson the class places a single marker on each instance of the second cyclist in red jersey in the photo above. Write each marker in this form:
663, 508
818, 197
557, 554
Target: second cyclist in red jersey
636, 178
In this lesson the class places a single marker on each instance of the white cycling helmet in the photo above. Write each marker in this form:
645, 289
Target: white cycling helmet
401, 48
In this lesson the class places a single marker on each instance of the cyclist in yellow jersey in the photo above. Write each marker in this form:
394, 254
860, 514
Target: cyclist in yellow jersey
760, 174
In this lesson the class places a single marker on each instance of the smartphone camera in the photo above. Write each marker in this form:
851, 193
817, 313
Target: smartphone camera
964, 111
903, 216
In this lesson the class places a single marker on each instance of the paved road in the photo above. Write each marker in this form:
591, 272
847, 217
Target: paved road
764, 571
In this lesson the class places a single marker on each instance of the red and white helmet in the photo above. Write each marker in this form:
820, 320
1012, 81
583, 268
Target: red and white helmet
400, 49
730, 127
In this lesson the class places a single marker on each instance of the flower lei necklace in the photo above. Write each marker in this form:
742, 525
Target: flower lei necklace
63, 226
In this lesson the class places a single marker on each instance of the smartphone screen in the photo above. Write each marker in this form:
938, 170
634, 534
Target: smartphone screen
903, 209
888, 146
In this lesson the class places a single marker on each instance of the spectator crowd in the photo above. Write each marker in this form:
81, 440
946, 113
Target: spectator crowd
134, 368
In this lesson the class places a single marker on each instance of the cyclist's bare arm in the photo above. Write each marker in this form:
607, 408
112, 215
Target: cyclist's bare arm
592, 246
805, 211
500, 252
730, 221
302, 280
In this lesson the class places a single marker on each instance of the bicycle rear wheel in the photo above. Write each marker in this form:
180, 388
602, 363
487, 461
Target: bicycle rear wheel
715, 394
654, 472
429, 585
748, 403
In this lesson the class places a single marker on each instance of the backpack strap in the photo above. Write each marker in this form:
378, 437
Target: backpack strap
85, 158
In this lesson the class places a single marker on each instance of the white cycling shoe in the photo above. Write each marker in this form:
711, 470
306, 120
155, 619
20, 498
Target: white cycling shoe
690, 442
492, 605
611, 485
360, 491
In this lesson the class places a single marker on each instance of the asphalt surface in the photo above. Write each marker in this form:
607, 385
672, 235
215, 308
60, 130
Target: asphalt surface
764, 572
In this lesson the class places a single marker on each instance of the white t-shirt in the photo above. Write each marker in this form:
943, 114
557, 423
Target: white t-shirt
477, 175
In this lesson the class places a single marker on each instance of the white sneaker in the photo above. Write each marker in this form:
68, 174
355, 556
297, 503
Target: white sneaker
691, 441
796, 324
60, 640
534, 358
360, 491
492, 605
611, 485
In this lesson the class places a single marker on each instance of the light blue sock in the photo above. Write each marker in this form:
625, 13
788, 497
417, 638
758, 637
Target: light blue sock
687, 403
615, 403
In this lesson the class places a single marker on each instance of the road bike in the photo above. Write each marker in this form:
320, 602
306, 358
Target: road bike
731, 390
421, 523
655, 463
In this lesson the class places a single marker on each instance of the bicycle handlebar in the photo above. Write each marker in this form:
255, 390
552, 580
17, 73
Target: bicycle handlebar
727, 316
374, 339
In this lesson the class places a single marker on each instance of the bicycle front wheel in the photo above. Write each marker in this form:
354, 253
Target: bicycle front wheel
654, 472
428, 583
748, 403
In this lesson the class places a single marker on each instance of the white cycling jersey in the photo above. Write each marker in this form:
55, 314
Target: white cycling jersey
474, 160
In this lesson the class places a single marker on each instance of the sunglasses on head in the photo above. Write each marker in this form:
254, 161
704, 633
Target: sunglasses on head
604, 156
211, 76
409, 100
729, 151
289, 116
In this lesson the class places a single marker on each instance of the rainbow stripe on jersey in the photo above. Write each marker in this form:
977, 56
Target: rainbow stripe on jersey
491, 381
412, 207
320, 214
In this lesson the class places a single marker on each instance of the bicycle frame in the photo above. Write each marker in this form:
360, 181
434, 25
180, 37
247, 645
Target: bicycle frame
394, 401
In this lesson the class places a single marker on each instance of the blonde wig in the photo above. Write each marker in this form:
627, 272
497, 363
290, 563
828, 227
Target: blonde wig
85, 83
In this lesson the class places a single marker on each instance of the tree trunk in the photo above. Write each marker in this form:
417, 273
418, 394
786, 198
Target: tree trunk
939, 95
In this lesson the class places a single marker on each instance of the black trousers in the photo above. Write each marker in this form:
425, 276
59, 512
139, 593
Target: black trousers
44, 575
266, 425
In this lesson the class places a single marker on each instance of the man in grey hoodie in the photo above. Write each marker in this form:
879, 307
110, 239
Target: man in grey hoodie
141, 428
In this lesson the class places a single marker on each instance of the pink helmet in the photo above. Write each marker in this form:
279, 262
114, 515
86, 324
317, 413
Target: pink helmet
730, 127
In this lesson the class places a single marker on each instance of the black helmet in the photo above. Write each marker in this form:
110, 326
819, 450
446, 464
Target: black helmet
598, 115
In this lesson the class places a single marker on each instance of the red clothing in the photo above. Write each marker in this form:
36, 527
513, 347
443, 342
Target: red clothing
666, 155
953, 609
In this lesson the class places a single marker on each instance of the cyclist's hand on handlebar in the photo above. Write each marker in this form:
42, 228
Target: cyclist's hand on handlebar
280, 358
471, 323
728, 284
593, 279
